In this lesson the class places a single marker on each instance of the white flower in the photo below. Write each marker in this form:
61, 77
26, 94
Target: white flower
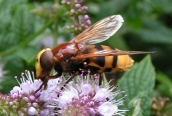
108, 109
101, 94
85, 97
67, 96
27, 83
86, 88
15, 90
32, 111
53, 86
82, 97
33, 103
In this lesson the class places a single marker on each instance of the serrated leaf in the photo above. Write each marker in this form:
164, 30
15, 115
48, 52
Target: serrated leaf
23, 23
7, 9
9, 23
28, 54
141, 78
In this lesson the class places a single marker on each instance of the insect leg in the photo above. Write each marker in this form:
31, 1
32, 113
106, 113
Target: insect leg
100, 79
44, 83
76, 73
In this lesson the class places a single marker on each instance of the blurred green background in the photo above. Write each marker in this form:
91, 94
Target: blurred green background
27, 26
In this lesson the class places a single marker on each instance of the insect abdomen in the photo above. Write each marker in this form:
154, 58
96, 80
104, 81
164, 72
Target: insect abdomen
108, 63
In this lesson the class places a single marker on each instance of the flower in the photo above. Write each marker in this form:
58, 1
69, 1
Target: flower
84, 97
80, 97
23, 100
79, 13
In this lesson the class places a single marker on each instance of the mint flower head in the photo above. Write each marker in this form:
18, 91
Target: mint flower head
80, 97
84, 97
78, 12
23, 100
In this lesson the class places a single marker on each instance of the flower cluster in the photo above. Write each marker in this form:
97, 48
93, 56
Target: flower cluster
84, 97
80, 97
79, 13
70, 9
76, 6
23, 100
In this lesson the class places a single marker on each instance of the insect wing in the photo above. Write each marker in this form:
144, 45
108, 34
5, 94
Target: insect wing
100, 31
109, 53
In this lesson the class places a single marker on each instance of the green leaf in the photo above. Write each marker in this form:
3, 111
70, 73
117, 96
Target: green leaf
139, 83
25, 42
162, 6
135, 104
23, 23
118, 42
155, 32
165, 84
28, 54
164, 79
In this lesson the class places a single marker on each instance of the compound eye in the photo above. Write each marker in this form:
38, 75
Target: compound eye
47, 60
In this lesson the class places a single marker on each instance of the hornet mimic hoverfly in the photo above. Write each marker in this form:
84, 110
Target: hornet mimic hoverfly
80, 53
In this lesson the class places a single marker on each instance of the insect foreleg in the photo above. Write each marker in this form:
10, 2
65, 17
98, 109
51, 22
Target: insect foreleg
44, 83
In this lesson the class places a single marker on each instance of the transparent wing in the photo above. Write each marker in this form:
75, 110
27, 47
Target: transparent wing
109, 53
100, 31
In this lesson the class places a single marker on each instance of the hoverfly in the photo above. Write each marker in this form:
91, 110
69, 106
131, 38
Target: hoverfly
80, 53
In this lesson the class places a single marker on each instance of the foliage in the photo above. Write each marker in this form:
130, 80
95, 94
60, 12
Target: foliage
138, 85
27, 26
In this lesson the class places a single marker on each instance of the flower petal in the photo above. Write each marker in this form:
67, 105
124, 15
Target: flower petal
108, 109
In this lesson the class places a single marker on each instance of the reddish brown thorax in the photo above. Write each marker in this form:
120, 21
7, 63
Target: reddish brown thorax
66, 50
